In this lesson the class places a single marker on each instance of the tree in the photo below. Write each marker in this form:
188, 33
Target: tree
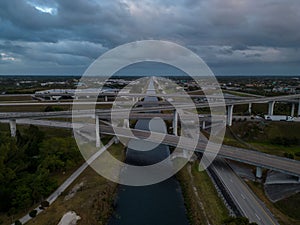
21, 196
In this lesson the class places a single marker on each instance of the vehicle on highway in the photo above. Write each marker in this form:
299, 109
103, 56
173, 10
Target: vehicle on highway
279, 118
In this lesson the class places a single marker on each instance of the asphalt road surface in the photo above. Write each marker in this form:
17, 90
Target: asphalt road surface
249, 205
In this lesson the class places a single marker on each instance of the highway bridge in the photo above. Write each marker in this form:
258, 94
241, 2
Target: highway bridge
216, 102
255, 158
258, 159
251, 157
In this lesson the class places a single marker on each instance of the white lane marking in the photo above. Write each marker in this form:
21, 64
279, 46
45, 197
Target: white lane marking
244, 197
257, 216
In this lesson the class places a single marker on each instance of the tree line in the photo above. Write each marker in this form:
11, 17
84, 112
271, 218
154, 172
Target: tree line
28, 164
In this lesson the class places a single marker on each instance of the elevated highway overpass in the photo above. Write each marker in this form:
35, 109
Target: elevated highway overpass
251, 157
255, 158
164, 105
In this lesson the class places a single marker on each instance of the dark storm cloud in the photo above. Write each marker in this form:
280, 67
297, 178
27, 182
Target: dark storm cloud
223, 32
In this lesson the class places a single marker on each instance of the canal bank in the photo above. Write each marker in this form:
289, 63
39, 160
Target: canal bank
157, 204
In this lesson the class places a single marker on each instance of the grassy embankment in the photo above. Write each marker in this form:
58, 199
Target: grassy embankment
205, 207
237, 93
277, 138
93, 202
286, 211
264, 137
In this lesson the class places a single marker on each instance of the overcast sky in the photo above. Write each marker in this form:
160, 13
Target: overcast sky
234, 37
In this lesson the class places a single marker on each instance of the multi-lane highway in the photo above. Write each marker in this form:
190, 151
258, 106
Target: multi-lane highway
246, 201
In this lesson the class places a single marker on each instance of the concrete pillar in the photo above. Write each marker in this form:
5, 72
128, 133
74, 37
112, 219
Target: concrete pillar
258, 172
203, 124
98, 142
13, 127
126, 123
175, 122
293, 110
105, 98
250, 108
185, 153
299, 108
229, 114
271, 108
116, 140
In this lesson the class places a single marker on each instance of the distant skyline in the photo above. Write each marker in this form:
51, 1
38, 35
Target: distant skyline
234, 37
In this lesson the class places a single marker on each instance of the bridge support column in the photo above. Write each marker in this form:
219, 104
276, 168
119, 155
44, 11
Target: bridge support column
126, 123
271, 108
258, 172
175, 122
293, 110
116, 140
250, 108
185, 153
98, 142
105, 98
298, 108
13, 127
203, 124
229, 114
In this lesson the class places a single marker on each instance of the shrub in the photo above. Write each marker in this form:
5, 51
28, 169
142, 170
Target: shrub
33, 213
18, 222
45, 204
297, 154
288, 155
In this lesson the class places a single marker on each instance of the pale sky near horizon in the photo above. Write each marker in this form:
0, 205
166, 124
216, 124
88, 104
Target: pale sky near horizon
234, 37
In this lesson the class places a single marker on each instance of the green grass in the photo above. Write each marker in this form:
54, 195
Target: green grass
290, 206
15, 98
237, 93
275, 149
214, 209
213, 205
30, 108
261, 135
280, 211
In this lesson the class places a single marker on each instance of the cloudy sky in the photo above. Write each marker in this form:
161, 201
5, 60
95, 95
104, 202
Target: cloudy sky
241, 37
